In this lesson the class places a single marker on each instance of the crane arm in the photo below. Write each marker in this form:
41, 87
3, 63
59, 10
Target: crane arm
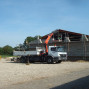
47, 40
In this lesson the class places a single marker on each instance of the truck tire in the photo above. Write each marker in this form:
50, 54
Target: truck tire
23, 59
49, 60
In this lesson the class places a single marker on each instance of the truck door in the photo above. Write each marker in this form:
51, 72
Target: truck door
53, 52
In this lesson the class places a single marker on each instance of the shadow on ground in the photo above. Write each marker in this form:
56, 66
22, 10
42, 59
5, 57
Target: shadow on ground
82, 83
29, 62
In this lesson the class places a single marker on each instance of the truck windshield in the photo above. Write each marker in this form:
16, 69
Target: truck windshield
60, 49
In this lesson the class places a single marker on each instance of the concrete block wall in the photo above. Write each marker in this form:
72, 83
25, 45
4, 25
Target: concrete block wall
76, 50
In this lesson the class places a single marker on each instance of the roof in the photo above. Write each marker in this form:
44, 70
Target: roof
63, 31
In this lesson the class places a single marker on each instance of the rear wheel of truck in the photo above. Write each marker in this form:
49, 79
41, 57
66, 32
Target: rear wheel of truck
49, 60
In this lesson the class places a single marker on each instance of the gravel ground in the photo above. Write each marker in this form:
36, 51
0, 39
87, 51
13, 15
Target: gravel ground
14, 73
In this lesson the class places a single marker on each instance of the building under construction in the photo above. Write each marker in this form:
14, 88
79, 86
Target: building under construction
76, 44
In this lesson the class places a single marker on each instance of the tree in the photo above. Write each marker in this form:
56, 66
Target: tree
8, 50
1, 51
29, 39
25, 45
20, 47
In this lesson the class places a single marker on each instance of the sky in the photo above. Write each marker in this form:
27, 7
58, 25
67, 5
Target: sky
22, 18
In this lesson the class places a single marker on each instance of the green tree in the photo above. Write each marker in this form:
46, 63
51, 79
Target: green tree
7, 50
29, 39
1, 51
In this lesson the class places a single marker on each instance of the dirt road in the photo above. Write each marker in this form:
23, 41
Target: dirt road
74, 80
12, 74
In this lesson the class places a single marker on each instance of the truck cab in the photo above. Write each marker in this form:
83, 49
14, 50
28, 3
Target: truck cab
56, 54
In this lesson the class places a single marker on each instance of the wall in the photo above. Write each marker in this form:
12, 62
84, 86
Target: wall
75, 50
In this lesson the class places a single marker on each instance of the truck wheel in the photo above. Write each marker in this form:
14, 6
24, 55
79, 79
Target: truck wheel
49, 60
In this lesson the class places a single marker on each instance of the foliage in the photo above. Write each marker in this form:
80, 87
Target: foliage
8, 50
1, 51
29, 39
4, 56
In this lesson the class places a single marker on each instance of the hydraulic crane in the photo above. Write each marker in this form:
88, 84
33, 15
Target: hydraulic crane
47, 40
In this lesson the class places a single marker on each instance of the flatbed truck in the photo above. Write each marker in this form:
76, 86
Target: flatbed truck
49, 54
55, 54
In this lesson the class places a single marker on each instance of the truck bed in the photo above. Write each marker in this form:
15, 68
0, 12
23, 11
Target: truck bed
25, 53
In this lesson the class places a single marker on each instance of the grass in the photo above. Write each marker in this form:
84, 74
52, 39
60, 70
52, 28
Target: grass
4, 56
82, 61
78, 60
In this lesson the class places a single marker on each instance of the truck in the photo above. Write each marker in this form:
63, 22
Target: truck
49, 54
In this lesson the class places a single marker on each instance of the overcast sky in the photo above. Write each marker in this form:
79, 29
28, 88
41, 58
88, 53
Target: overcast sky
22, 18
